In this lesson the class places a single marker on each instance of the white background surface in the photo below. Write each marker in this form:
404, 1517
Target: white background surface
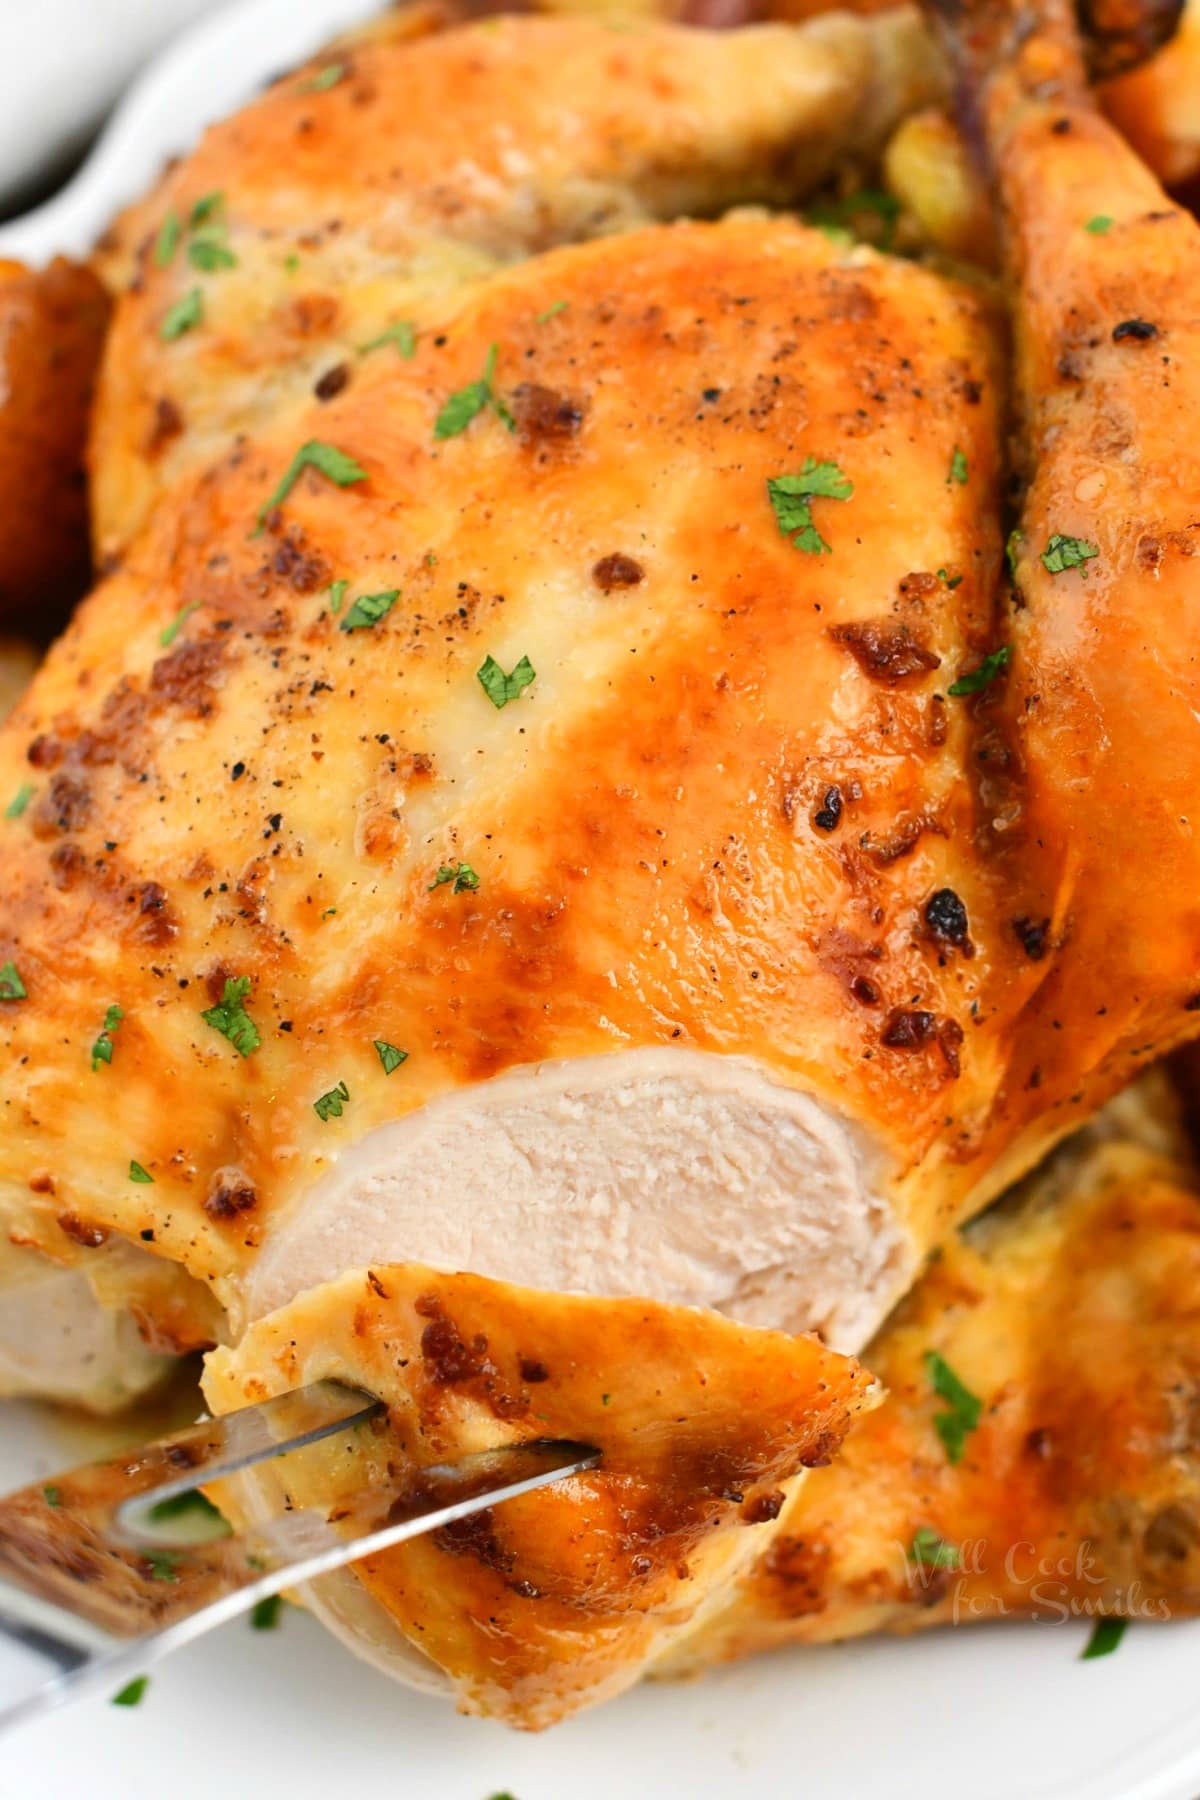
993, 1713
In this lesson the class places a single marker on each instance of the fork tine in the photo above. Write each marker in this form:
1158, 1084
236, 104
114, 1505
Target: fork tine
85, 1584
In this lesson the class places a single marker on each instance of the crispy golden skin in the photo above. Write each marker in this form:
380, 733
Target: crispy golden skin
434, 162
52, 326
272, 796
1070, 1312
1158, 107
560, 1598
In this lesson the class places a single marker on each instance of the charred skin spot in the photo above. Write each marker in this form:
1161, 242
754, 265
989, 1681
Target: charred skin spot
80, 1232
886, 650
946, 917
331, 383
764, 1507
229, 1198
303, 571
912, 1028
65, 806
1032, 935
617, 571
1137, 331
167, 425
828, 815
187, 677
544, 417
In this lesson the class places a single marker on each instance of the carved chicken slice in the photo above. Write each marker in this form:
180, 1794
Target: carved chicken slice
560, 1598
1068, 1317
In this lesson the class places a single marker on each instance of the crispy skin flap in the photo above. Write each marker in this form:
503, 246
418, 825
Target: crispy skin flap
561, 1597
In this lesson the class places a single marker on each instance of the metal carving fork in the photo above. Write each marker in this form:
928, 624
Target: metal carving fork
110, 1566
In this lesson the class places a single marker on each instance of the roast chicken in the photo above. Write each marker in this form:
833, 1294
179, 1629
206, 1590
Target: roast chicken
561, 856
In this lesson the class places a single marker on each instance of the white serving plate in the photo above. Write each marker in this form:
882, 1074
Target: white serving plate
993, 1712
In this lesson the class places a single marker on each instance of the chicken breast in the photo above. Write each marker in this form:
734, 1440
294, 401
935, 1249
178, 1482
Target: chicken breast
1067, 1318
560, 1598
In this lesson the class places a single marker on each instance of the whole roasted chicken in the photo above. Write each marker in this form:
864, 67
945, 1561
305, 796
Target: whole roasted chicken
561, 855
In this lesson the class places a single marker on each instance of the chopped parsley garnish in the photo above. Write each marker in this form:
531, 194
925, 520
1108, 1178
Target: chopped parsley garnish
1012, 549
131, 1694
330, 1105
52, 1496
142, 1176
205, 207
19, 801
1067, 553
326, 459
102, 1049
984, 675
389, 1055
11, 985
469, 401
231, 1019
501, 688
964, 1406
208, 254
929, 1551
403, 334
1106, 1635
167, 241
264, 1615
161, 1565
169, 633
552, 312
183, 316
792, 495
368, 609
195, 1506
461, 874
337, 593
951, 581
1100, 225
959, 469
838, 215
325, 78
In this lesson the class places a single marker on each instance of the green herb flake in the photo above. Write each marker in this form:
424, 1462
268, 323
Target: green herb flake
984, 675
11, 985
368, 609
326, 459
52, 1496
791, 497
161, 1565
954, 1426
20, 800
205, 207
209, 255
552, 312
1106, 1635
1100, 226
291, 262
325, 78
167, 241
131, 1694
183, 316
604, 1399
169, 633
501, 688
265, 1614
1067, 553
951, 581
403, 334
330, 1105
102, 1049
470, 401
1012, 549
959, 469
192, 1505
142, 1176
837, 216
930, 1551
389, 1055
337, 593
231, 1019
461, 874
